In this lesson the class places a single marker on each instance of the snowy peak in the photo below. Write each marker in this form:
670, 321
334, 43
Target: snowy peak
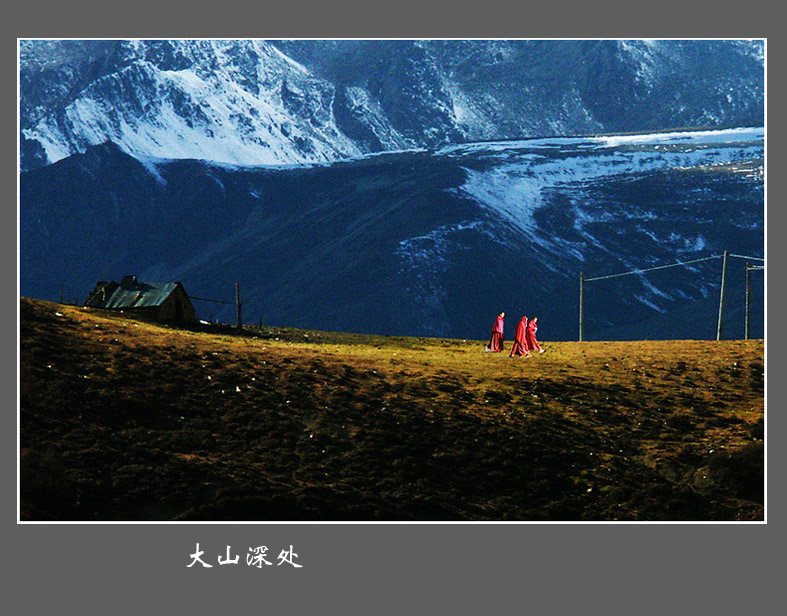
255, 102
228, 102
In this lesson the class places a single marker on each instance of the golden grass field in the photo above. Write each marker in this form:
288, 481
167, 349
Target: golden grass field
121, 419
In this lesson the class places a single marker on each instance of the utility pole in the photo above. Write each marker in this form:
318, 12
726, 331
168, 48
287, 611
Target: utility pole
748, 290
581, 306
238, 304
721, 295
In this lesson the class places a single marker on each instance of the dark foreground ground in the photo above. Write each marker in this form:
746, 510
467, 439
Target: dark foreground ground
124, 420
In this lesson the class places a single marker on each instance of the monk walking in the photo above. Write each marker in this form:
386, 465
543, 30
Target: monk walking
520, 344
530, 336
496, 341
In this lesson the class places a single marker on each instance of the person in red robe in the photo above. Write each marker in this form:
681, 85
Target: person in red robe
530, 336
520, 344
496, 341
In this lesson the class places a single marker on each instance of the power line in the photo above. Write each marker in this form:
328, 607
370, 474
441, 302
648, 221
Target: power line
745, 257
217, 301
749, 267
650, 269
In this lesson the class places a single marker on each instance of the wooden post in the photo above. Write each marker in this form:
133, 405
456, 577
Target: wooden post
748, 304
581, 306
721, 295
238, 304
61, 293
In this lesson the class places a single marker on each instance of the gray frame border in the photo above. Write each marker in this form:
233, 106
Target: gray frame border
395, 568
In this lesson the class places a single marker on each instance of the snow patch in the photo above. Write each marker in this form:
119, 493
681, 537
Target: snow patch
515, 188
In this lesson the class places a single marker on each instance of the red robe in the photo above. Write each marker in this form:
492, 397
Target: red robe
496, 342
520, 344
530, 336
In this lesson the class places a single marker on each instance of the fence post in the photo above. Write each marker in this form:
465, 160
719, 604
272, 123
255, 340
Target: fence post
748, 304
581, 306
238, 304
721, 295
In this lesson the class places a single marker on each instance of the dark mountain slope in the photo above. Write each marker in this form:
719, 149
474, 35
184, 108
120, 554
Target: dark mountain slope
418, 243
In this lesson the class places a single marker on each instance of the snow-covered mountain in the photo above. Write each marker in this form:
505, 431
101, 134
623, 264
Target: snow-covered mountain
236, 102
399, 186
253, 102
423, 242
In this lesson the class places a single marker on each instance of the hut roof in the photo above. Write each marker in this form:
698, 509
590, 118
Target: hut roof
130, 293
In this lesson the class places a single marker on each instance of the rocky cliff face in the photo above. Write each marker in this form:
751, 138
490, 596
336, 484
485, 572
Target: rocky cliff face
292, 102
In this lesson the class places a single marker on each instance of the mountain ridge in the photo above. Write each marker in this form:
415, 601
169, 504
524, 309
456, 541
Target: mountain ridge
285, 102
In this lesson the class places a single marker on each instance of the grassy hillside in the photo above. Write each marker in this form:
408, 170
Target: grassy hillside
126, 420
